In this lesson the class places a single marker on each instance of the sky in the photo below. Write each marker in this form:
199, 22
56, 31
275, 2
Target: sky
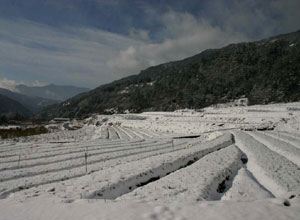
88, 43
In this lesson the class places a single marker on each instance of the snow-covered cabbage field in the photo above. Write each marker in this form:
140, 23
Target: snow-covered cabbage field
220, 163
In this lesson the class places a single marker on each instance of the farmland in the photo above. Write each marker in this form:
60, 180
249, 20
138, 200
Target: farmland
213, 159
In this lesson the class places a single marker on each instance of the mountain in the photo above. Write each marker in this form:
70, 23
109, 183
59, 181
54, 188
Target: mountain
51, 91
11, 108
33, 104
263, 71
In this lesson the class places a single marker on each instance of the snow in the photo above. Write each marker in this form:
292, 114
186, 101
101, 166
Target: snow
126, 174
49, 209
287, 150
277, 173
159, 165
194, 183
285, 137
46, 209
246, 188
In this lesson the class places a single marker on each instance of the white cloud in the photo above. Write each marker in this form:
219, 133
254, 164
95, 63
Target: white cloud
30, 51
185, 35
8, 84
37, 83
12, 84
139, 34
89, 57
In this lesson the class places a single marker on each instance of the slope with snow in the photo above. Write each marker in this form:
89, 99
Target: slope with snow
220, 163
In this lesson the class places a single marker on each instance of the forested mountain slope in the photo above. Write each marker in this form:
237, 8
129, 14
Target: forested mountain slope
264, 71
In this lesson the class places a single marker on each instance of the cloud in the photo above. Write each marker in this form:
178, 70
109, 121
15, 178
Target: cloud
255, 18
289, 12
8, 84
37, 83
12, 84
185, 35
219, 23
148, 34
139, 34
31, 51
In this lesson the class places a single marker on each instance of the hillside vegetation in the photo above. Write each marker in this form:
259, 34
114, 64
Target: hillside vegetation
33, 103
264, 71
52, 92
10, 108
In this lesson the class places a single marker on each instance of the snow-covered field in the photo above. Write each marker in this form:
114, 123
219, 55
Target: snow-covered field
220, 163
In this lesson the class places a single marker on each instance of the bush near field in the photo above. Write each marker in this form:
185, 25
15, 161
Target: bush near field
22, 132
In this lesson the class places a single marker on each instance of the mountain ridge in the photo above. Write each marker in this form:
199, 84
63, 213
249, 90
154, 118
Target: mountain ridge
264, 71
11, 108
51, 91
33, 104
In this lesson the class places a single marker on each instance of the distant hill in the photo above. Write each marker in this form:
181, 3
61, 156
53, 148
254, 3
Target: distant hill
11, 108
264, 71
34, 104
51, 91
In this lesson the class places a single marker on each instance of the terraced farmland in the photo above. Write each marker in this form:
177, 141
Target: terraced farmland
121, 160
117, 163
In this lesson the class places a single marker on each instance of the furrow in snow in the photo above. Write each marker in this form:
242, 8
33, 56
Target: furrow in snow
203, 180
141, 173
245, 187
66, 151
130, 135
122, 134
49, 148
27, 182
285, 137
285, 149
291, 133
76, 161
50, 159
276, 173
137, 133
140, 131
112, 133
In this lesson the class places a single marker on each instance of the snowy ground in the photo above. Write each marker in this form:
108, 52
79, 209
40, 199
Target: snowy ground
220, 163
